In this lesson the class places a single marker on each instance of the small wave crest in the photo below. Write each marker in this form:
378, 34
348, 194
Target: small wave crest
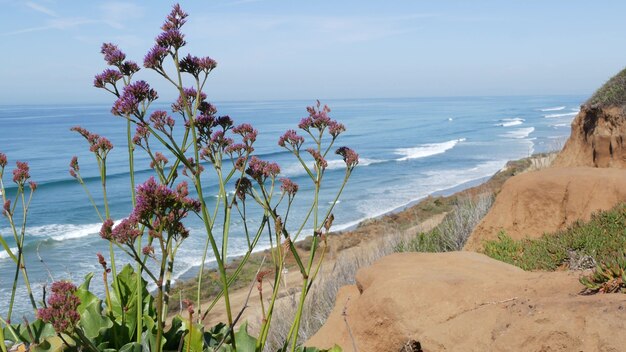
556, 108
426, 150
551, 116
510, 122
296, 169
519, 133
5, 255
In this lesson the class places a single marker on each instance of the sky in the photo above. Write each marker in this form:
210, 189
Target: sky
274, 50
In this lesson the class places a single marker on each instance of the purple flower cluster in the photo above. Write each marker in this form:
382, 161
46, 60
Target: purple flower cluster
349, 156
260, 170
126, 231
194, 65
154, 58
103, 262
142, 132
288, 186
74, 168
160, 120
159, 160
3, 160
189, 95
114, 57
97, 144
62, 307
108, 76
162, 209
134, 94
107, 229
21, 173
176, 19
320, 162
243, 186
291, 138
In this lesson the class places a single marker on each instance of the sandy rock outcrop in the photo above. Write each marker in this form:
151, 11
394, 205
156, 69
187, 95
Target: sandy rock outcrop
465, 301
533, 203
598, 139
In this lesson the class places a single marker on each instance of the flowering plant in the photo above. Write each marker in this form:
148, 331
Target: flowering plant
196, 141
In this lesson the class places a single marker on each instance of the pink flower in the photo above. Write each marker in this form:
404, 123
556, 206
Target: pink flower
21, 173
349, 156
62, 307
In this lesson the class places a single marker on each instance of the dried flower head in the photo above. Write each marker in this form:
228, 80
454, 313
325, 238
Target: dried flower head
320, 162
260, 170
102, 262
148, 251
3, 160
318, 118
62, 307
243, 186
159, 160
6, 208
292, 139
97, 144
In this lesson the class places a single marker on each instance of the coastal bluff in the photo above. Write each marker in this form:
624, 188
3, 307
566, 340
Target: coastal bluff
466, 301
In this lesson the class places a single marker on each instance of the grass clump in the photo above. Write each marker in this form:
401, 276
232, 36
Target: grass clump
599, 241
612, 93
455, 228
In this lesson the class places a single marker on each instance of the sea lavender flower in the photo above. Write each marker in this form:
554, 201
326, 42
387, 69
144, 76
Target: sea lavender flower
225, 121
176, 19
134, 94
112, 54
335, 128
291, 138
160, 119
171, 38
103, 262
97, 144
62, 307
141, 134
32, 185
154, 58
190, 96
243, 186
108, 76
247, 133
107, 229
318, 118
319, 159
128, 68
74, 168
168, 207
147, 250
3, 160
159, 160
21, 173
194, 65
260, 170
349, 156
288, 186
126, 231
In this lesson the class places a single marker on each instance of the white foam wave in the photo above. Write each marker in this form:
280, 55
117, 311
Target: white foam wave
61, 232
296, 169
510, 122
551, 116
426, 150
4, 255
519, 133
557, 108
558, 125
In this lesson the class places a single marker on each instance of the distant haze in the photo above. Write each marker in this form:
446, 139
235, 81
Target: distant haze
321, 49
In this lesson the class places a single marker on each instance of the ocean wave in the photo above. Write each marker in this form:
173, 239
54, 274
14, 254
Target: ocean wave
5, 255
519, 133
510, 122
557, 108
295, 169
551, 116
559, 125
426, 150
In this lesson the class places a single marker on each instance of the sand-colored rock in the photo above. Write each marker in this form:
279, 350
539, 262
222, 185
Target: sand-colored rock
465, 301
597, 140
549, 200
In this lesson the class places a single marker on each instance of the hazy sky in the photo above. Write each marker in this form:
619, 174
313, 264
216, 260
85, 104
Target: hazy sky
269, 49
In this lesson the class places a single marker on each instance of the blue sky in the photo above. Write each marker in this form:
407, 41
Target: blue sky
269, 49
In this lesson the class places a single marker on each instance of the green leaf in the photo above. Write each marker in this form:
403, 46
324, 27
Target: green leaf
193, 339
93, 323
87, 298
50, 344
244, 342
131, 347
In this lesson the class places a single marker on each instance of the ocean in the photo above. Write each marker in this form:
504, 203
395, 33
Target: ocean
409, 148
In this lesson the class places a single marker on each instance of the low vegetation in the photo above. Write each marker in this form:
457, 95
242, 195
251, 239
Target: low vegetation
599, 240
455, 228
612, 93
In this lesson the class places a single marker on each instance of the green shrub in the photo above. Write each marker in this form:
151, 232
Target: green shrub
608, 277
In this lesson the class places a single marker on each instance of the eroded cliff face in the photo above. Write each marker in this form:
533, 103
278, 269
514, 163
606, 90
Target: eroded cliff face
597, 139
